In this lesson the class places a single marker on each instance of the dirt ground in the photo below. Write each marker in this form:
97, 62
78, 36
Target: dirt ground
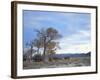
72, 62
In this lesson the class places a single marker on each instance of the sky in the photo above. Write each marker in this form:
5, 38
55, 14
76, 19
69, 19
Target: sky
74, 27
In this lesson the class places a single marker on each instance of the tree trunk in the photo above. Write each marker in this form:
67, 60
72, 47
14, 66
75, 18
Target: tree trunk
38, 50
30, 58
46, 59
44, 51
31, 54
45, 56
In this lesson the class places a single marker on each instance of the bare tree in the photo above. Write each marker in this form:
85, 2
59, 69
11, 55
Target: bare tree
31, 50
47, 40
37, 44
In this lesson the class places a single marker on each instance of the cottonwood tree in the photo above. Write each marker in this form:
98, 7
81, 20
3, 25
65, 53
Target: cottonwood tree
47, 40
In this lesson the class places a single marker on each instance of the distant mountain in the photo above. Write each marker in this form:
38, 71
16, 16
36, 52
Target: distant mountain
70, 55
62, 55
89, 53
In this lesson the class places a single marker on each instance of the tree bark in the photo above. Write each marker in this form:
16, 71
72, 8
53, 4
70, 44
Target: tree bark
31, 53
44, 46
38, 50
45, 56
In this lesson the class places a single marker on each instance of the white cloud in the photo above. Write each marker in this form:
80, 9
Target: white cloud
76, 43
84, 48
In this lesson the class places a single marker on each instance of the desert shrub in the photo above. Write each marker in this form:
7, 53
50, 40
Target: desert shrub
50, 59
24, 57
67, 58
38, 57
55, 58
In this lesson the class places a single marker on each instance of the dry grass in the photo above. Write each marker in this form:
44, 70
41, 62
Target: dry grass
72, 62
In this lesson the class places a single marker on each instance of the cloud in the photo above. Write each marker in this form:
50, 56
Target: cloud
36, 18
83, 48
76, 43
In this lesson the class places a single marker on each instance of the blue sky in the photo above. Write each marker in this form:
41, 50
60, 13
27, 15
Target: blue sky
74, 27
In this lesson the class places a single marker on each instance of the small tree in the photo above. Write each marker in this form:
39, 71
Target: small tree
37, 44
37, 57
30, 51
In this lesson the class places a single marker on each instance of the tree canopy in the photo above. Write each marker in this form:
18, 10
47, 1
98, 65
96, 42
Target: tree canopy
46, 41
